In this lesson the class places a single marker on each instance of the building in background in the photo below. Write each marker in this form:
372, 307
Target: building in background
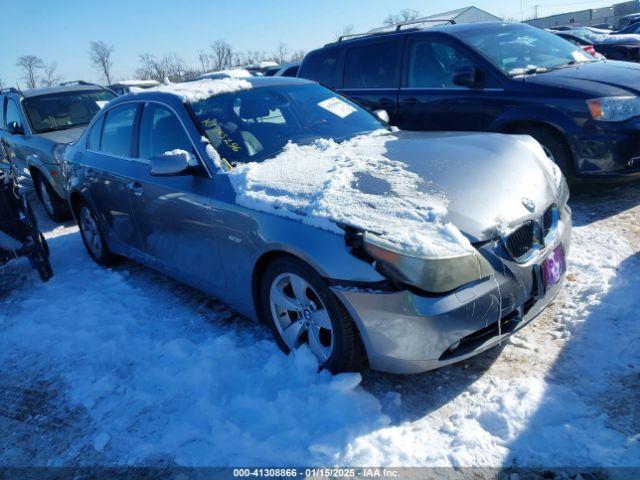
586, 18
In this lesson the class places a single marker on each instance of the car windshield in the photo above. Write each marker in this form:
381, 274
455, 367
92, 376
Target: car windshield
60, 111
252, 125
519, 49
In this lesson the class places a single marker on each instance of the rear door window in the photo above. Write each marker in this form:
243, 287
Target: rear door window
321, 66
117, 130
373, 65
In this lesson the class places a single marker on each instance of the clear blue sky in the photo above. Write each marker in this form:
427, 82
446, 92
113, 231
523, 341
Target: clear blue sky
61, 30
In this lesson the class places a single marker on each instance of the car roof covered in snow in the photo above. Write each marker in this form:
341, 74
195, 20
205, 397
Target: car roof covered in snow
201, 89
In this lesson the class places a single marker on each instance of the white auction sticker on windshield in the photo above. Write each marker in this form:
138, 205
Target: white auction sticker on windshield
337, 107
101, 103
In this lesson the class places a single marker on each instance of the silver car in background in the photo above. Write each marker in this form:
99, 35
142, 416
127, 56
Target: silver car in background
295, 206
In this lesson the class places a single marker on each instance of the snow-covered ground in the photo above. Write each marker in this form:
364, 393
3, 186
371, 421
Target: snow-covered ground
124, 366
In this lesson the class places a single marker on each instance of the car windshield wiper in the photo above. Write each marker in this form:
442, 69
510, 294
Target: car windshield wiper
530, 70
62, 127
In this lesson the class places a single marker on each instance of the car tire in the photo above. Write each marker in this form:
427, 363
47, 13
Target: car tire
55, 206
93, 236
553, 145
310, 314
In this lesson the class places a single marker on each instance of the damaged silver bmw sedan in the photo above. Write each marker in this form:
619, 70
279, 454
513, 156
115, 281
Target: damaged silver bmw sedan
297, 207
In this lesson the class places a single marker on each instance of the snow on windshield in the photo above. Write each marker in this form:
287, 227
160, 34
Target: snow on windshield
202, 89
353, 183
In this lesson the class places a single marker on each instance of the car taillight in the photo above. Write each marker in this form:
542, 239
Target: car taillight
590, 50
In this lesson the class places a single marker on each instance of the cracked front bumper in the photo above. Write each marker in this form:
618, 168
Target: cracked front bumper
408, 333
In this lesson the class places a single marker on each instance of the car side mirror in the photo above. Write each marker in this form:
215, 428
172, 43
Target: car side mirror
14, 128
382, 115
171, 164
466, 76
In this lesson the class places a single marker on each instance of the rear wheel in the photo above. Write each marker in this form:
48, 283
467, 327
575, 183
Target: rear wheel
92, 236
553, 145
300, 309
55, 206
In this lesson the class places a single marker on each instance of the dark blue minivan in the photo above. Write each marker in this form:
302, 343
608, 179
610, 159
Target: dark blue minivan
497, 77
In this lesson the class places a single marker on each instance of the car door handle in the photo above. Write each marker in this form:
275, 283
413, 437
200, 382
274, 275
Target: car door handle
136, 188
386, 102
410, 101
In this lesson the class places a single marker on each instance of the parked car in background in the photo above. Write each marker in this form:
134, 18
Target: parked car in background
284, 70
628, 20
579, 42
511, 78
125, 86
613, 47
35, 127
260, 68
231, 73
298, 207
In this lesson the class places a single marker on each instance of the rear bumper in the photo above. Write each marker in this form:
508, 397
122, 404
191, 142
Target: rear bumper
408, 333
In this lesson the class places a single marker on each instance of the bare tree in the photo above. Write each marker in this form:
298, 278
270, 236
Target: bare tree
100, 54
30, 65
405, 15
253, 57
297, 56
50, 75
1, 84
205, 61
169, 66
346, 30
222, 55
281, 55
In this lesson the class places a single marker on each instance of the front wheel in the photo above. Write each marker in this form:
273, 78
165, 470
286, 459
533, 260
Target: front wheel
300, 309
55, 206
92, 236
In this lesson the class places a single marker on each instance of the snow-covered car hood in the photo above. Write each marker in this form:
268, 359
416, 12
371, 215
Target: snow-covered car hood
63, 136
484, 176
416, 190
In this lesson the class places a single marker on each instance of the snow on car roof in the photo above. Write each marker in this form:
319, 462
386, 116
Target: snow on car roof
232, 73
319, 185
136, 83
200, 89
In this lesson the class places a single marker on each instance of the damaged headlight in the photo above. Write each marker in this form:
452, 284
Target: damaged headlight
432, 274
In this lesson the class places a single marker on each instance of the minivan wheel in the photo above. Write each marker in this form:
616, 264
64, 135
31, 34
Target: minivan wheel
55, 206
299, 307
92, 237
553, 145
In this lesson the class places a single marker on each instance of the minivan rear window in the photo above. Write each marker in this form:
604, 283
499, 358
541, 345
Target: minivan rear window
373, 65
320, 66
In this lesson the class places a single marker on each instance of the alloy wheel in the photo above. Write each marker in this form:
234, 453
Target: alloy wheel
45, 197
300, 316
90, 232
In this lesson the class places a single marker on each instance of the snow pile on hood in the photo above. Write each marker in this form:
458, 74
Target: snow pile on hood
325, 183
201, 89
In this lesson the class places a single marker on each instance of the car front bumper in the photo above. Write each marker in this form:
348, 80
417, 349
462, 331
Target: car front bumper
608, 151
404, 332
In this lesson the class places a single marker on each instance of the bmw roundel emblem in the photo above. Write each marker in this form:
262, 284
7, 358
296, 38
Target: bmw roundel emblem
529, 204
